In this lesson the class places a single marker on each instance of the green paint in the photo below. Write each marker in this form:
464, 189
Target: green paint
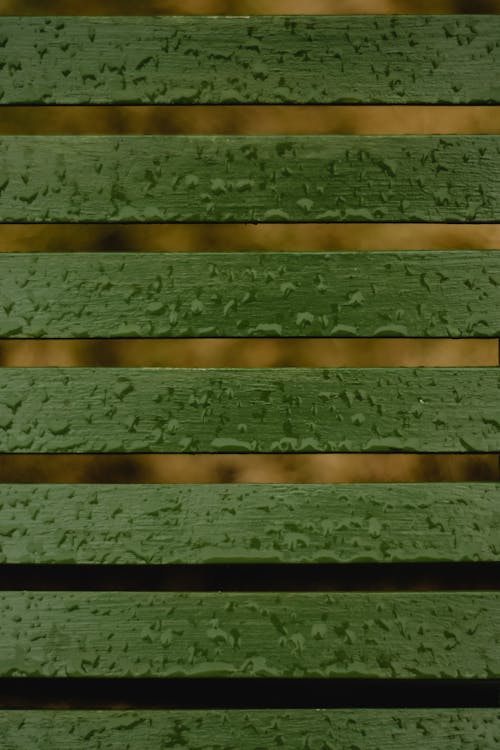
84, 295
291, 410
132, 634
362, 59
248, 523
250, 178
366, 729
296, 59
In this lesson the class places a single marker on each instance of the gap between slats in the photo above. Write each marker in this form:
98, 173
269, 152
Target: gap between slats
236, 577
294, 237
233, 468
253, 7
249, 353
65, 693
249, 119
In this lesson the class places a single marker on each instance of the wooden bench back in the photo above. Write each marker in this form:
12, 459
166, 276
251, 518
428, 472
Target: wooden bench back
280, 635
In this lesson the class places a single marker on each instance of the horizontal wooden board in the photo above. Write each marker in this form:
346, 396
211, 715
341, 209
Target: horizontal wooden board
139, 634
365, 729
297, 59
249, 523
250, 178
290, 410
82, 295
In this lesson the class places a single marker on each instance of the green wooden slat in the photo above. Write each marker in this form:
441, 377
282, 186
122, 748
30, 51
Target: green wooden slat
140, 634
365, 729
47, 295
249, 523
291, 410
297, 59
249, 178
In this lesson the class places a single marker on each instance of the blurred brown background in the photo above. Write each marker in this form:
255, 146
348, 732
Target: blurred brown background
248, 353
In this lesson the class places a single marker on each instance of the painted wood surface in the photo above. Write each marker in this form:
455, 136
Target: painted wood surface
250, 178
140, 634
51, 295
301, 59
277, 410
249, 523
366, 729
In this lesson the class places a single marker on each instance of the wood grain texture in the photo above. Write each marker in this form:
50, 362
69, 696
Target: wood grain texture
290, 410
66, 295
249, 523
250, 178
132, 634
302, 59
366, 729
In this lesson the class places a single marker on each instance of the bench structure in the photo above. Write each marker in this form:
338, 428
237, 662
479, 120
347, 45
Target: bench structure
451, 636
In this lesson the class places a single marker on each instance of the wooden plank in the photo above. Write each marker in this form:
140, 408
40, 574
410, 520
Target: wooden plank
249, 523
140, 634
365, 729
290, 410
250, 178
82, 295
298, 59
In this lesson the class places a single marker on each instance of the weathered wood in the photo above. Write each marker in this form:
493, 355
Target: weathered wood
392, 729
249, 523
291, 410
298, 59
249, 178
236, 179
47, 295
132, 634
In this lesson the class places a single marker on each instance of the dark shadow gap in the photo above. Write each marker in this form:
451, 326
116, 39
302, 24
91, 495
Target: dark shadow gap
396, 577
68, 693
